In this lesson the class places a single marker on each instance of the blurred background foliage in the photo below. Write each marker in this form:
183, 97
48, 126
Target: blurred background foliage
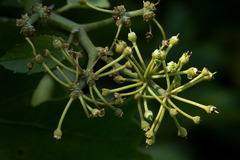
209, 29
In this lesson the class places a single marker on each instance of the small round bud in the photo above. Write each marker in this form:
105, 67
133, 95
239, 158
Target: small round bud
156, 54
182, 132
173, 112
46, 53
132, 37
149, 35
30, 65
185, 58
128, 65
196, 119
105, 92
57, 134
65, 45
39, 58
148, 115
173, 40
119, 79
137, 96
118, 113
117, 99
57, 44
127, 51
207, 74
145, 126
120, 46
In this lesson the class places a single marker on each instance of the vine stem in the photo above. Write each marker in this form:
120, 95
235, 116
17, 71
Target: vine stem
116, 37
160, 27
64, 112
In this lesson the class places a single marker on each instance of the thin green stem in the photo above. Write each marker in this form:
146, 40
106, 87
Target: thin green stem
179, 110
160, 27
157, 98
137, 64
64, 112
111, 71
31, 44
102, 98
166, 73
62, 65
148, 68
90, 100
136, 68
116, 37
191, 83
68, 58
55, 77
64, 76
92, 96
99, 9
134, 92
126, 87
139, 55
84, 106
162, 112
109, 64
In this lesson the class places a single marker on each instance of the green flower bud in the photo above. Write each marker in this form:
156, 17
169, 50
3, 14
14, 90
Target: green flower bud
46, 53
120, 46
185, 58
196, 119
39, 58
118, 113
105, 92
137, 96
57, 134
173, 112
182, 132
210, 109
148, 115
119, 79
96, 112
207, 74
132, 37
156, 54
20, 22
163, 55
173, 40
57, 44
192, 72
27, 29
127, 51
145, 126
149, 134
150, 141
171, 66
128, 65
117, 99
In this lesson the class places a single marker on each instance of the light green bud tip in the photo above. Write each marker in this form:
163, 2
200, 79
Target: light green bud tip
145, 126
173, 112
57, 44
127, 51
210, 109
156, 54
196, 119
132, 37
148, 114
173, 40
182, 132
105, 92
57, 134
39, 58
150, 141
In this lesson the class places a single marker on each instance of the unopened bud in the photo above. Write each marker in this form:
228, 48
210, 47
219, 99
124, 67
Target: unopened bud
57, 44
118, 113
132, 37
39, 58
145, 126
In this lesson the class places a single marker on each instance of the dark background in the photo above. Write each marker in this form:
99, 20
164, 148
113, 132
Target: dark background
211, 30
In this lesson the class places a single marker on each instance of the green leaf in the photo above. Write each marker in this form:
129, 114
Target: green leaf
98, 138
17, 58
